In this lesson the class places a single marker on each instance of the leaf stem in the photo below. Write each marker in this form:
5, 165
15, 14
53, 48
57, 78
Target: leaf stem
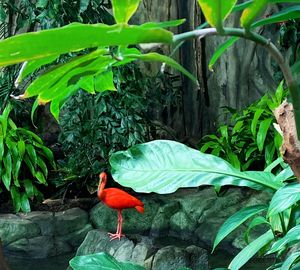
273, 50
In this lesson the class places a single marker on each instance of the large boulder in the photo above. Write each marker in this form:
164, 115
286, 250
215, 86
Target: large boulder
42, 234
13, 227
143, 251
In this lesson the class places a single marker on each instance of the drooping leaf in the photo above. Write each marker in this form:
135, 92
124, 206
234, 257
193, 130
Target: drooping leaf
83, 5
216, 11
31, 66
30, 134
16, 198
286, 14
262, 133
250, 13
292, 236
124, 9
40, 177
87, 84
29, 188
249, 251
74, 37
256, 116
25, 205
284, 175
101, 261
284, 198
236, 220
220, 50
164, 166
6, 177
31, 153
290, 260
166, 24
164, 59
41, 3
104, 81
255, 222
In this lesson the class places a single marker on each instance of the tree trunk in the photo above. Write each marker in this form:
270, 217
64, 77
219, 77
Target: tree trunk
243, 74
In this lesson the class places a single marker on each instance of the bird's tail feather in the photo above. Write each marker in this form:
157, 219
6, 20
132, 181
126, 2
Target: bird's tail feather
140, 209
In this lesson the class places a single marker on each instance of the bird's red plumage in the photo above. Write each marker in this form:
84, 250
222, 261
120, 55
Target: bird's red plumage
119, 199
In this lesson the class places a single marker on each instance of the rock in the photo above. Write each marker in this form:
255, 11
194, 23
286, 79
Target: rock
44, 219
74, 239
173, 258
42, 234
13, 227
105, 218
143, 251
37, 247
161, 222
70, 221
198, 257
182, 226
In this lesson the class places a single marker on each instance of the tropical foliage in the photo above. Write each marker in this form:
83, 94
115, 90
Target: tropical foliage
156, 166
23, 162
250, 140
95, 126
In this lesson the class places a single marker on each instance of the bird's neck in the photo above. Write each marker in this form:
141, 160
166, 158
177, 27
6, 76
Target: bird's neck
101, 187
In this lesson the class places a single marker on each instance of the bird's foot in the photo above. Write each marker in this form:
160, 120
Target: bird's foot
113, 236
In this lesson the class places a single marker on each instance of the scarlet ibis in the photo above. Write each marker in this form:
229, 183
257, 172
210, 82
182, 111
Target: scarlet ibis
117, 199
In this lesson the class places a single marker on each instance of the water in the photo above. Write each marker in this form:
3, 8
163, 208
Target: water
223, 260
54, 263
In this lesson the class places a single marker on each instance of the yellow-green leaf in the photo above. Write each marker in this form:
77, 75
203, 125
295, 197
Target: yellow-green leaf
124, 9
216, 11
250, 13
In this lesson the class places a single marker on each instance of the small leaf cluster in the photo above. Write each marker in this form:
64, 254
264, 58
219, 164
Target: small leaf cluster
23, 162
250, 139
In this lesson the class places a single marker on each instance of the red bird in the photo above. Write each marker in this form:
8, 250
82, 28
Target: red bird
117, 199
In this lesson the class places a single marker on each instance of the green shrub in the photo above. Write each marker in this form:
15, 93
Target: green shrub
23, 159
95, 126
250, 140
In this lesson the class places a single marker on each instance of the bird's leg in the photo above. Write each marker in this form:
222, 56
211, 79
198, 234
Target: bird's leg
118, 233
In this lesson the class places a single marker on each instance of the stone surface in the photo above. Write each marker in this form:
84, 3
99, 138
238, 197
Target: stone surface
105, 218
44, 219
70, 221
13, 228
37, 247
143, 251
42, 234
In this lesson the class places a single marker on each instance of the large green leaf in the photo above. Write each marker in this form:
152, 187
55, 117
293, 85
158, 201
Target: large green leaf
292, 236
236, 220
215, 11
250, 13
289, 13
220, 50
284, 198
164, 166
124, 9
249, 251
101, 261
74, 37
165, 59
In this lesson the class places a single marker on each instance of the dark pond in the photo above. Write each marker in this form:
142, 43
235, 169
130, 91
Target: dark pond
54, 263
